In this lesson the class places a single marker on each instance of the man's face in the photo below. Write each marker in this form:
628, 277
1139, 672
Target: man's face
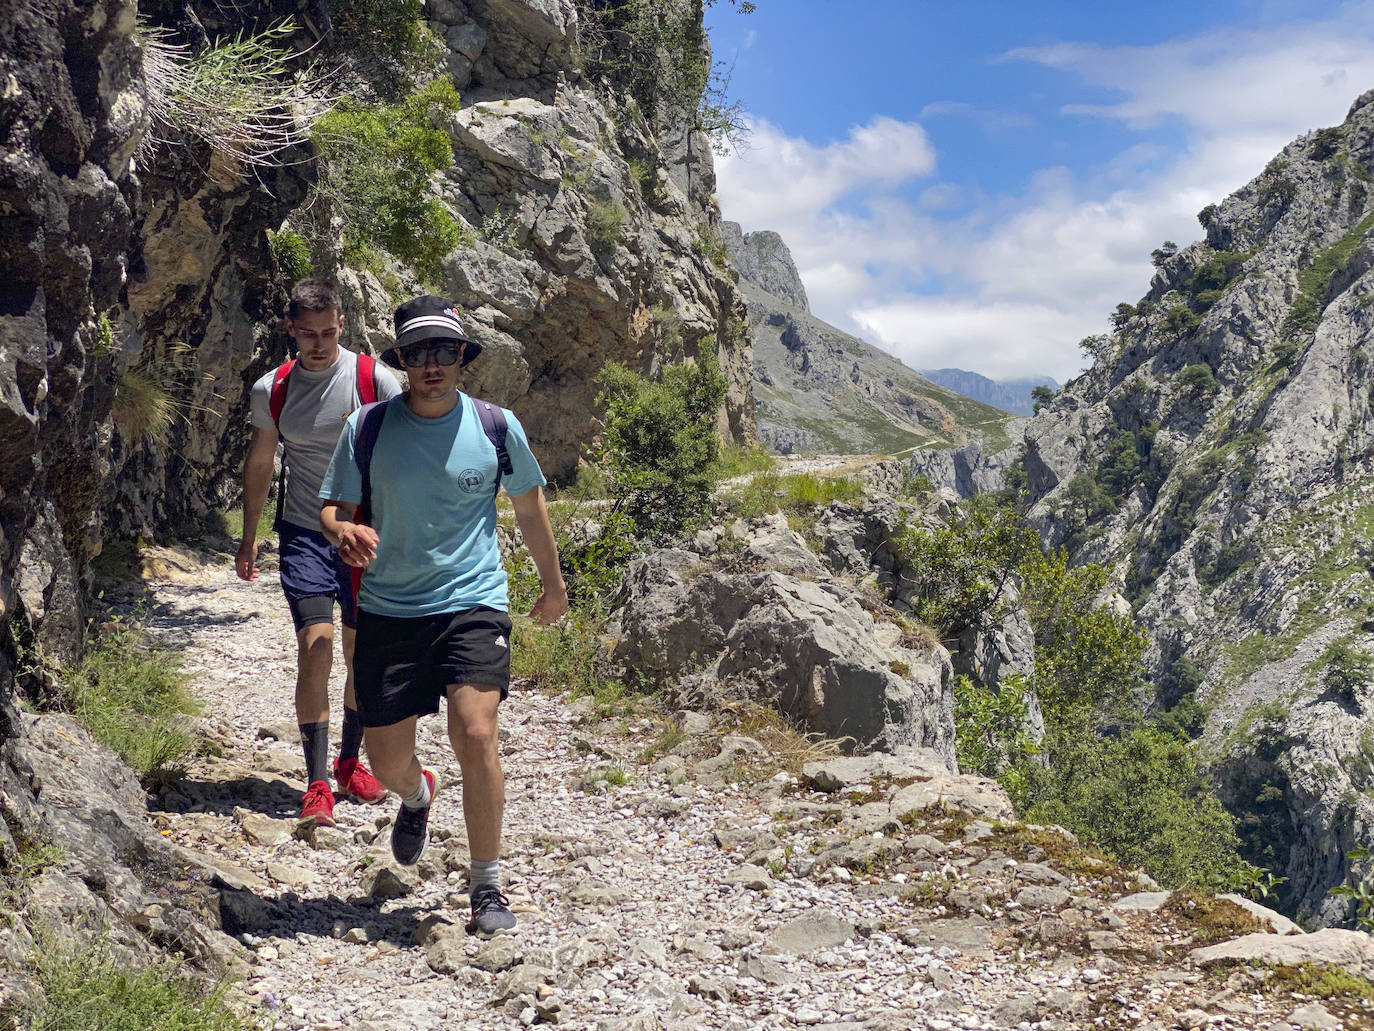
317, 336
432, 381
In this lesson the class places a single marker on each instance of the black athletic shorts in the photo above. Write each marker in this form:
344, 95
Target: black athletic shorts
402, 667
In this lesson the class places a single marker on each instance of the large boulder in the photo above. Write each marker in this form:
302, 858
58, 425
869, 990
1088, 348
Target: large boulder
802, 644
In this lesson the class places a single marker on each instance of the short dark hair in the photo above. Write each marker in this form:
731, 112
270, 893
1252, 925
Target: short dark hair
314, 295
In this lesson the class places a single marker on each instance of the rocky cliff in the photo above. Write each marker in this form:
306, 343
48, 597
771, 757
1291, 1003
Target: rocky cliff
1219, 456
819, 389
139, 298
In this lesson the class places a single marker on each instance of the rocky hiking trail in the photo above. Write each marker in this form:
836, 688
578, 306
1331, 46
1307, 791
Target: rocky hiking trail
698, 888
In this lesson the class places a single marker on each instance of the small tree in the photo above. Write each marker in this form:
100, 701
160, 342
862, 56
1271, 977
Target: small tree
1122, 314
1042, 396
1207, 216
1199, 379
660, 443
1163, 253
1094, 347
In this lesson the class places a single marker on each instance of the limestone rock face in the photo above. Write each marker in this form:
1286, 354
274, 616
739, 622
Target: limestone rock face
1219, 457
798, 641
594, 266
764, 260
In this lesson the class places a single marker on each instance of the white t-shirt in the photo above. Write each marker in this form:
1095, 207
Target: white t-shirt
317, 403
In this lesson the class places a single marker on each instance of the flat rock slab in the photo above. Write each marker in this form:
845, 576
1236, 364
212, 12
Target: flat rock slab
980, 796
1142, 902
851, 770
1350, 950
815, 930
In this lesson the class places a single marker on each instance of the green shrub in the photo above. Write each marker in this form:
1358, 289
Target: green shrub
659, 443
131, 696
1142, 798
386, 42
1041, 396
961, 575
292, 253
1207, 216
1345, 668
1180, 318
94, 989
1198, 379
793, 494
501, 229
1088, 658
605, 223
376, 161
991, 735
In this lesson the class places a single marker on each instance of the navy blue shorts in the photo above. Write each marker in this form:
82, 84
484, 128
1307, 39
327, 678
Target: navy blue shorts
402, 667
313, 578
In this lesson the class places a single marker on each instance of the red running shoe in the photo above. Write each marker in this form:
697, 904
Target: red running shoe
318, 804
356, 781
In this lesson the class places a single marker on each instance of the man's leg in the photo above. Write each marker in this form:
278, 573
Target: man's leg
392, 751
314, 659
472, 729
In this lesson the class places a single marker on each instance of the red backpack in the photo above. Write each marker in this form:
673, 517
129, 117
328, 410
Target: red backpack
276, 401
367, 385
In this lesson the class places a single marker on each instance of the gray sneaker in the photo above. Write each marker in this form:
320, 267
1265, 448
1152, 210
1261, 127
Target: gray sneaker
490, 912
411, 829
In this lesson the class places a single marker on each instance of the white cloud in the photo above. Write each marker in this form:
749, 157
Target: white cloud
1010, 286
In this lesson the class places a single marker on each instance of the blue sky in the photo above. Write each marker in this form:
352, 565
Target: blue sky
978, 184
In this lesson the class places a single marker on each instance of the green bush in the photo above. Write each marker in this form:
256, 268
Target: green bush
1180, 318
961, 575
132, 697
1345, 668
1199, 379
1207, 216
1140, 797
1088, 658
96, 990
376, 161
991, 730
1314, 282
605, 223
292, 253
659, 443
740, 459
386, 42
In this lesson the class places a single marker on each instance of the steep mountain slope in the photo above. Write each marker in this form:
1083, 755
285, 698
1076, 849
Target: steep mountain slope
1013, 395
1219, 455
819, 389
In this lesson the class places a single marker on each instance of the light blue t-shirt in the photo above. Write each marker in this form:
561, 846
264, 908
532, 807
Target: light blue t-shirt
433, 506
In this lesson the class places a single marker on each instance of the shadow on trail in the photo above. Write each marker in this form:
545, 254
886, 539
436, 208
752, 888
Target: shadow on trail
290, 916
273, 797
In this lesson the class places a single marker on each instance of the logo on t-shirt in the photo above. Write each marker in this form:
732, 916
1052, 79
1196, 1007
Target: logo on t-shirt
472, 481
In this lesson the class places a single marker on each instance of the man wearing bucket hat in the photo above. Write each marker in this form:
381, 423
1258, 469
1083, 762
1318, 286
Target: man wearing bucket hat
410, 498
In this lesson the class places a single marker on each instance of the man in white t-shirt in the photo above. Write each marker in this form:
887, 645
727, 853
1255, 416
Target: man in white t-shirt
305, 408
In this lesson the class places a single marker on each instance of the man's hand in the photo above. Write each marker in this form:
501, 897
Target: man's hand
550, 607
246, 561
357, 544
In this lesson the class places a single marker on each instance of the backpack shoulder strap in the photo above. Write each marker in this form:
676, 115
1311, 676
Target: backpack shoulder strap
365, 433
276, 400
493, 419
367, 379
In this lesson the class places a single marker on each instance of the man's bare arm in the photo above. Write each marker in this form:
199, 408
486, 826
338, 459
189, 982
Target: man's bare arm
533, 519
357, 543
257, 479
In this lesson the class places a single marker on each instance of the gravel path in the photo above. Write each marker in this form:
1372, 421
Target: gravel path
638, 903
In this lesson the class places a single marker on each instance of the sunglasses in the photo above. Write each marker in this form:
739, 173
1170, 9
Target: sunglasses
417, 355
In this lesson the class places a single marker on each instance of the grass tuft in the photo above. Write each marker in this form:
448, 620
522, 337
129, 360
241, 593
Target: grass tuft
131, 696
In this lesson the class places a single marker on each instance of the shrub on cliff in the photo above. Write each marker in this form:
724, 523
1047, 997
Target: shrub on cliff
376, 161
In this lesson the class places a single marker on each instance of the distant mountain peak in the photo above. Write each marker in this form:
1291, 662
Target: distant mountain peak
763, 258
1011, 395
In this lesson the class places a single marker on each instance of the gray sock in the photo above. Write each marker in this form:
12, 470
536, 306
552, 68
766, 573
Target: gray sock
484, 872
